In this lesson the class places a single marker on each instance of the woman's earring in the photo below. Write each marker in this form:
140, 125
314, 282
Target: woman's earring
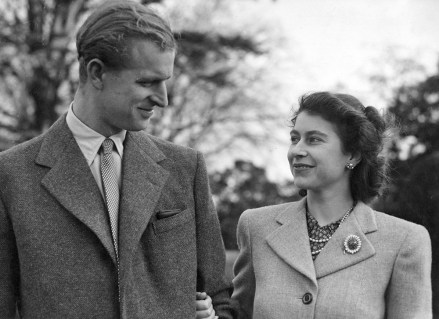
350, 166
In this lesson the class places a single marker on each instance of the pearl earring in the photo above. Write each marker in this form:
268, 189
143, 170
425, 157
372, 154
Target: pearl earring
350, 166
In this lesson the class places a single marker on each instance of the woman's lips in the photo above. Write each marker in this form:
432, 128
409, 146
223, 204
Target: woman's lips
298, 167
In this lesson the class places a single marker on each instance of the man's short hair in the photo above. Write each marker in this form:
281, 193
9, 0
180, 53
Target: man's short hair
106, 33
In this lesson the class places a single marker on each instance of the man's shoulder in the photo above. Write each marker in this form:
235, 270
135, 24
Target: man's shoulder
175, 152
15, 161
29, 149
22, 150
170, 146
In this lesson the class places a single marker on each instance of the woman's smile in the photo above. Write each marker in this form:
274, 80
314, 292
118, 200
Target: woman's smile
301, 167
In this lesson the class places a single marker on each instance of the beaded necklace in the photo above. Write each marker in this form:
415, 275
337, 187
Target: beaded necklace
323, 241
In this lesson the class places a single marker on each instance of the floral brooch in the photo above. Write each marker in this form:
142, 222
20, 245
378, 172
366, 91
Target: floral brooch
352, 244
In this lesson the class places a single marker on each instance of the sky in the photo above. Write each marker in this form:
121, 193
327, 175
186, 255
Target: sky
339, 43
338, 40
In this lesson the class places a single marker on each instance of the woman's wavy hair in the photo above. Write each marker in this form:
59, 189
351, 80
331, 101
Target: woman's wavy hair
107, 32
361, 129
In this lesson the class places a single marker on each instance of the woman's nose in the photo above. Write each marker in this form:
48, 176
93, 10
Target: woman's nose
295, 152
298, 149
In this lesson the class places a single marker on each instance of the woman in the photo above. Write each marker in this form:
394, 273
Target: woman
330, 255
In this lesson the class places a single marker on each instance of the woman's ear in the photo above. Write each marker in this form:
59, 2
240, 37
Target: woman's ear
355, 158
95, 70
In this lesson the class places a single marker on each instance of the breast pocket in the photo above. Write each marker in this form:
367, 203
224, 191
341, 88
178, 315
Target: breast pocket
170, 219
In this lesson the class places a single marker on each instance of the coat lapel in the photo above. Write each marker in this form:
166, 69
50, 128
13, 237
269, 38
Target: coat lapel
142, 183
290, 240
71, 182
333, 258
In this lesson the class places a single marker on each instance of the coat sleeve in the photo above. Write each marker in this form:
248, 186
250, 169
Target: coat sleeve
8, 267
210, 248
244, 281
409, 294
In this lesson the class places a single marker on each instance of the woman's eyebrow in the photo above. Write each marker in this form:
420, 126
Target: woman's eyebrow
317, 132
313, 132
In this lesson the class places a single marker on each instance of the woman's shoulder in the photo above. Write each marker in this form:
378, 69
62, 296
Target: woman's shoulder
267, 218
389, 220
269, 212
405, 229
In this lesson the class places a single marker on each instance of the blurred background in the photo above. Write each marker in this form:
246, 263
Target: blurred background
240, 70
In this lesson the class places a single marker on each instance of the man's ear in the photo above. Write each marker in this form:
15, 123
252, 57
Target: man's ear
95, 70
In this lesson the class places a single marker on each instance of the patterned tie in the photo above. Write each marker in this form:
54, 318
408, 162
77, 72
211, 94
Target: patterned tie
111, 188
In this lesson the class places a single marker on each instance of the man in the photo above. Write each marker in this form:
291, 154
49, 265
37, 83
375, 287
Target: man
97, 218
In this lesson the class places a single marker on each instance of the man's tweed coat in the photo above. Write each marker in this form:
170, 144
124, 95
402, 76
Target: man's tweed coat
56, 254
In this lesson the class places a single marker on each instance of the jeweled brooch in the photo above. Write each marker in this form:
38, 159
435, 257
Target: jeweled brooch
352, 244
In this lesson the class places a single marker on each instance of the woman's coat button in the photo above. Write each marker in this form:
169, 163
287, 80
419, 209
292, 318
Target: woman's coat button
307, 298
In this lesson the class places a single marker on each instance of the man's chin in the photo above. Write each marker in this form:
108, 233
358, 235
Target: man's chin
140, 126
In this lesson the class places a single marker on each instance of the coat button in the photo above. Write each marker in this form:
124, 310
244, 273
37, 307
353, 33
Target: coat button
307, 298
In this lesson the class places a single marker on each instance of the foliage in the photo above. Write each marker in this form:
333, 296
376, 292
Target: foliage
393, 69
414, 193
35, 57
242, 187
417, 107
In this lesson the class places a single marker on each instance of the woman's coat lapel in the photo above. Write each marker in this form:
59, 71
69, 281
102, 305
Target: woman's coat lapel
290, 241
333, 257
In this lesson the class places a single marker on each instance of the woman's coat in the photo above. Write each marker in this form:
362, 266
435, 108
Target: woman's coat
275, 276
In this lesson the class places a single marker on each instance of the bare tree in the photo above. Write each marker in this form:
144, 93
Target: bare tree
36, 58
222, 98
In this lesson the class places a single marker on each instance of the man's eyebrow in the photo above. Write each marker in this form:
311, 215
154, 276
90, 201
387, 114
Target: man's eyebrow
153, 78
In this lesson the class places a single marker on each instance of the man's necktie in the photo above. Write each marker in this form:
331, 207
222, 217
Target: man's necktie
111, 188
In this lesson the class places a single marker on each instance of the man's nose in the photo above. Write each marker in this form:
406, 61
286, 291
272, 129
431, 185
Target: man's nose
160, 96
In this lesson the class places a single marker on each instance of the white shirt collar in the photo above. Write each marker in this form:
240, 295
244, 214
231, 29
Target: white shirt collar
89, 140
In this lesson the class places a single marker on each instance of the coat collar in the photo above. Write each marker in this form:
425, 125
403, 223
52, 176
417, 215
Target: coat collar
70, 181
290, 241
333, 257
143, 177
